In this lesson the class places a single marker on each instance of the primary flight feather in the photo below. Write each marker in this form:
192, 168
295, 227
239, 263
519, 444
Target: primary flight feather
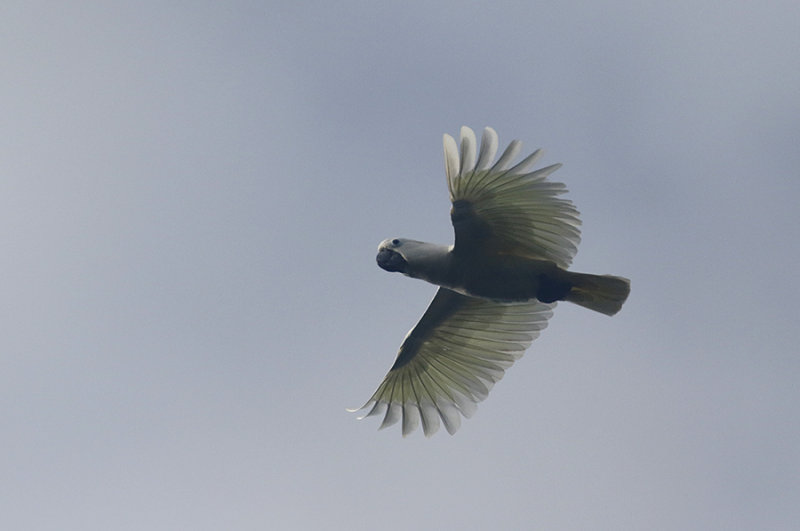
498, 284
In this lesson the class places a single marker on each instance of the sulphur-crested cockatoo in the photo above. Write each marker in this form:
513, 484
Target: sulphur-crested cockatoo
498, 284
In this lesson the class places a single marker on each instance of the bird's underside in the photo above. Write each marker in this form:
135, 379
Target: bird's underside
514, 239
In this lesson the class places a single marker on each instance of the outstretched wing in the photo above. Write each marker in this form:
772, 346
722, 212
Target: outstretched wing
497, 209
451, 359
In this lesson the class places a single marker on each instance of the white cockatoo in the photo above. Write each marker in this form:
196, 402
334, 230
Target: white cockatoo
498, 284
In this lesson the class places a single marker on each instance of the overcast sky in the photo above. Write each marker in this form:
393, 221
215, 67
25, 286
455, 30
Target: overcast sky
191, 198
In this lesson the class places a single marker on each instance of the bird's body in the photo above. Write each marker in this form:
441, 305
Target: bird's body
514, 239
498, 277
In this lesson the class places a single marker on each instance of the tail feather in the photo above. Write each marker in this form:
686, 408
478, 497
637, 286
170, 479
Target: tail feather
601, 293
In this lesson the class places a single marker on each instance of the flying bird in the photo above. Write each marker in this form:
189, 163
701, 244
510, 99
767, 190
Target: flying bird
498, 284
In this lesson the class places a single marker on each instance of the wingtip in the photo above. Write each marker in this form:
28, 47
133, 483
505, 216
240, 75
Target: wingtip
489, 143
452, 162
468, 149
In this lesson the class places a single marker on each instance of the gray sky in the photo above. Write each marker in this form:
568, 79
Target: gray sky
192, 196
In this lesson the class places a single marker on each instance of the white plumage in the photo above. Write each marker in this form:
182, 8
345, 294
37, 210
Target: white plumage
498, 284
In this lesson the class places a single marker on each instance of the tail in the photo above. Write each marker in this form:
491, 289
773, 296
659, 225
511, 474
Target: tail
601, 293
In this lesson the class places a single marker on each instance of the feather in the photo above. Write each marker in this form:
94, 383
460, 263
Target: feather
463, 345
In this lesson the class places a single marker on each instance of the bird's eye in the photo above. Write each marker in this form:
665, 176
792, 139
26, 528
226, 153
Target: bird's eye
395, 242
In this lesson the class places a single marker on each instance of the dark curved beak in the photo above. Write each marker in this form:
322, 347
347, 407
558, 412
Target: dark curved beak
391, 261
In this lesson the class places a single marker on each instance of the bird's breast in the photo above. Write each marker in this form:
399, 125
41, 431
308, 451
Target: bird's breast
504, 277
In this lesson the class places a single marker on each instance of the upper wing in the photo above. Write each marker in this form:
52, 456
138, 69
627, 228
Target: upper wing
497, 209
452, 357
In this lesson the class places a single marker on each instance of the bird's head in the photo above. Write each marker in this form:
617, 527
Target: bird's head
413, 258
391, 255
